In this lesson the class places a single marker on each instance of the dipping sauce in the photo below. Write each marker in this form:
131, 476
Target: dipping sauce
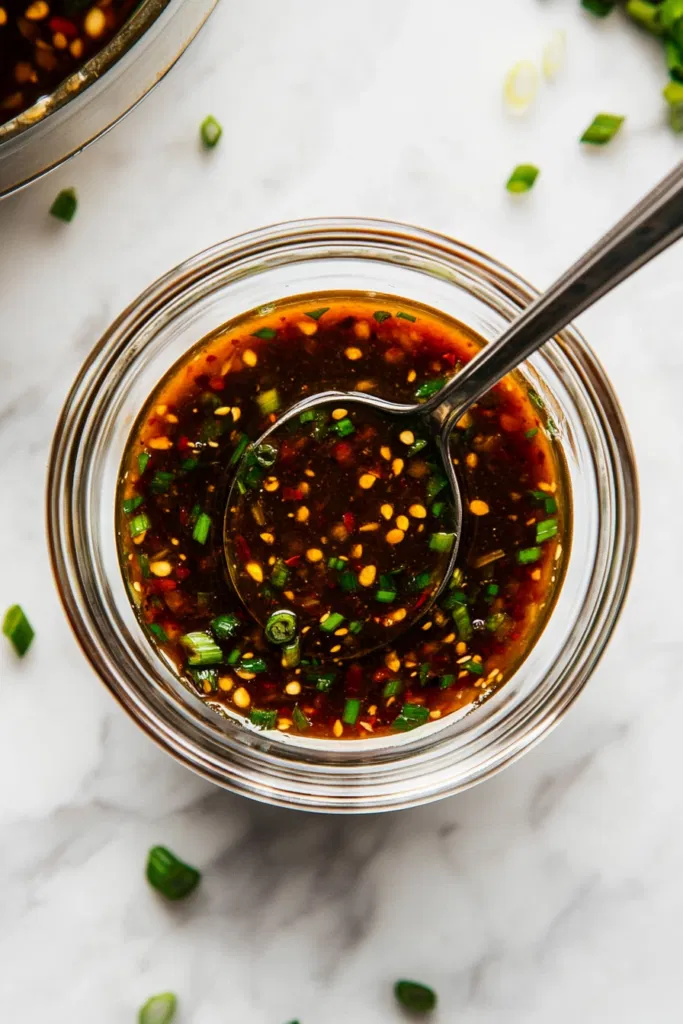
312, 528
42, 42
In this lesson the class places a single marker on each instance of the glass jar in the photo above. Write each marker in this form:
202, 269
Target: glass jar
101, 92
287, 769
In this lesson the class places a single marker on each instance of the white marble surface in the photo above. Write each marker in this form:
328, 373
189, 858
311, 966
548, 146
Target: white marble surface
554, 891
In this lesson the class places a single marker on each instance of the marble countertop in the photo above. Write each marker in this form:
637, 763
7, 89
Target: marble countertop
552, 892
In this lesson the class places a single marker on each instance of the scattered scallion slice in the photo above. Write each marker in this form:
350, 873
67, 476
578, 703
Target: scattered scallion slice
554, 54
291, 654
308, 416
18, 629
301, 722
355, 627
139, 524
315, 314
344, 427
414, 996
522, 178
202, 676
158, 1009
673, 94
385, 596
602, 129
268, 401
410, 717
519, 88
435, 485
475, 667
202, 649
495, 621
265, 333
254, 665
646, 14
161, 482
528, 555
545, 530
430, 387
240, 449
279, 575
416, 448
351, 711
143, 559
392, 688
234, 656
201, 529
406, 316
446, 681
210, 131
159, 632
143, 460
441, 542
530, 434
335, 563
332, 622
263, 719
381, 315
130, 504
225, 627
463, 623
64, 205
169, 875
281, 627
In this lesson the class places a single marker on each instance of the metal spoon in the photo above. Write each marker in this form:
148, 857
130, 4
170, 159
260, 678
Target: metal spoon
650, 227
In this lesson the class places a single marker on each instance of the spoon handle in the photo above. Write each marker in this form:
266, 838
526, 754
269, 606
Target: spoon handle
654, 224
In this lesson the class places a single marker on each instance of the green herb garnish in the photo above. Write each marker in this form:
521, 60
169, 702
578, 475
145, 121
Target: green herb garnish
415, 997
265, 333
410, 717
202, 528
315, 314
281, 627
602, 129
522, 178
202, 649
351, 711
263, 719
64, 205
18, 629
159, 1009
210, 131
170, 876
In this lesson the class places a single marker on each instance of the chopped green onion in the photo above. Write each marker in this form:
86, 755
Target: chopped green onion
491, 590
674, 59
463, 623
130, 504
410, 717
335, 563
419, 582
406, 316
268, 401
161, 482
159, 1009
159, 632
300, 720
187, 465
355, 627
475, 667
344, 427
452, 599
671, 14
673, 94
323, 680
225, 627
139, 525
522, 178
307, 417
601, 8
279, 575
291, 654
437, 508
415, 997
528, 555
210, 132
446, 681
143, 559
281, 627
143, 460
381, 315
265, 333
18, 629
425, 672
550, 506
602, 128
202, 649
169, 875
430, 387
435, 484
315, 314
351, 711
205, 675
64, 205
263, 719
242, 444
385, 596
546, 529
415, 448
348, 582
441, 542
201, 528
529, 434
254, 665
495, 621
646, 14
332, 622
252, 478
234, 656
392, 688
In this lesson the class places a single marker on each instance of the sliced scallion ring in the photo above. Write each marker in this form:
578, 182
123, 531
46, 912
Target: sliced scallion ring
520, 86
522, 178
554, 53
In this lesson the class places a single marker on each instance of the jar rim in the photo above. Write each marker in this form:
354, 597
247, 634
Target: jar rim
335, 780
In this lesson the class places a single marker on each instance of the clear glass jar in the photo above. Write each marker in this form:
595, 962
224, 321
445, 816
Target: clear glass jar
101, 92
192, 300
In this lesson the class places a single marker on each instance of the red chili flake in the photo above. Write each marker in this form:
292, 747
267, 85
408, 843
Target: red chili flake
349, 521
217, 383
292, 494
381, 675
422, 598
293, 561
287, 451
354, 679
184, 516
343, 453
183, 443
160, 586
211, 359
64, 26
182, 573
449, 357
243, 549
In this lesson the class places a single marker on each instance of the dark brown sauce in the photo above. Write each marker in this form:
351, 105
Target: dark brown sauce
177, 473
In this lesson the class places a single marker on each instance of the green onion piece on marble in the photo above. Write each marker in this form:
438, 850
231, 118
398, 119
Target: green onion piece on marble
522, 178
18, 629
158, 1009
602, 129
170, 876
414, 996
601, 8
64, 205
210, 131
